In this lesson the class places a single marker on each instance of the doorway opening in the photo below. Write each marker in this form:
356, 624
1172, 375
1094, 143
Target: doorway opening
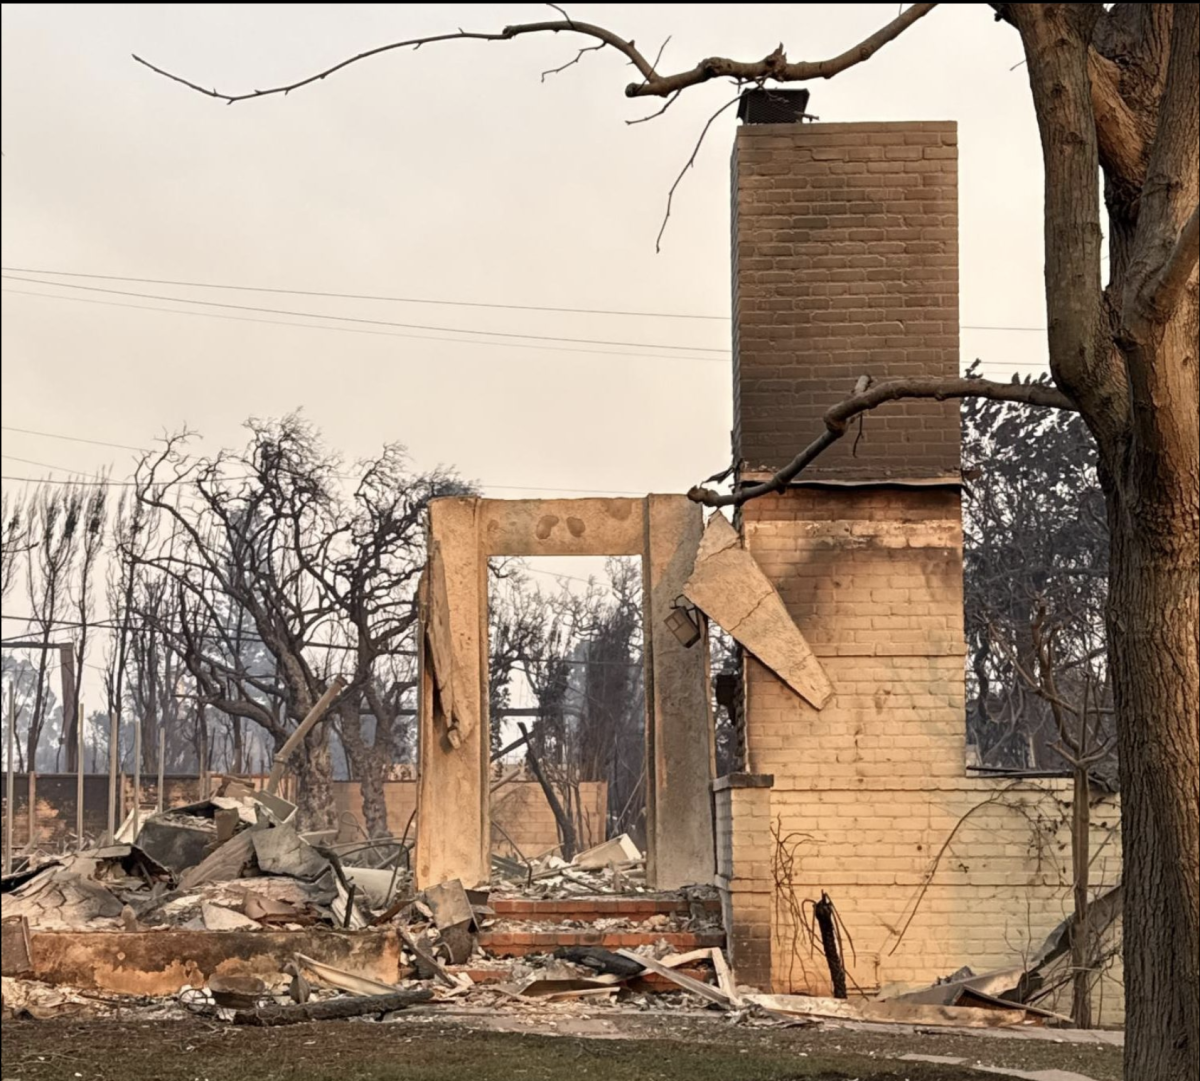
566, 697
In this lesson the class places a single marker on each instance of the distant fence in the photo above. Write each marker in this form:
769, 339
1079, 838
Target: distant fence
521, 816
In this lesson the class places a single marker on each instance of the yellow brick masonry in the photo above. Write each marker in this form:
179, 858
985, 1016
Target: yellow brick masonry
930, 869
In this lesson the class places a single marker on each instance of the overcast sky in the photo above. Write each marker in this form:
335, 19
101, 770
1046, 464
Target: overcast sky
451, 174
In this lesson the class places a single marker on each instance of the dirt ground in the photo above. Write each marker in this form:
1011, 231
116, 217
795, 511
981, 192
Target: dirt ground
623, 1047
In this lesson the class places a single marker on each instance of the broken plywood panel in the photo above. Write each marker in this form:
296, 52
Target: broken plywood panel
729, 587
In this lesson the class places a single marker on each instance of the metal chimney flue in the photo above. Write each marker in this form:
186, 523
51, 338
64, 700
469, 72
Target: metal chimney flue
773, 107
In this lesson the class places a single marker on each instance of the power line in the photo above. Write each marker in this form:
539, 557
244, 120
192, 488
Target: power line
357, 330
417, 300
47, 465
343, 476
244, 640
97, 482
69, 438
1035, 365
363, 296
359, 319
53, 480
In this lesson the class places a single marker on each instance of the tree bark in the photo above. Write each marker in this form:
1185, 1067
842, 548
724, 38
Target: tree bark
334, 1009
1152, 626
313, 767
369, 766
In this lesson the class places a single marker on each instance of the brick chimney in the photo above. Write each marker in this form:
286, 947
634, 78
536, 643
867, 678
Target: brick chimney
845, 257
846, 264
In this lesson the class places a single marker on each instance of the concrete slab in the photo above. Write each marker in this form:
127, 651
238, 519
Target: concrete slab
163, 962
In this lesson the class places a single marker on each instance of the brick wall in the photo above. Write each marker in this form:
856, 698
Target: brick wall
846, 263
930, 869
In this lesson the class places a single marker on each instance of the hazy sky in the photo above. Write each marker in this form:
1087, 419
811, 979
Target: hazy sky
451, 174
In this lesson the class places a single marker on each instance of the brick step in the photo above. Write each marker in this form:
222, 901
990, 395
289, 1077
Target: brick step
589, 909
519, 943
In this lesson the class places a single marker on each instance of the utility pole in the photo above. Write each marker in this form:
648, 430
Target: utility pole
79, 777
114, 734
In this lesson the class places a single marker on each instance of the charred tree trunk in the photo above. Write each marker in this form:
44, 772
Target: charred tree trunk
374, 801
370, 764
313, 766
1152, 628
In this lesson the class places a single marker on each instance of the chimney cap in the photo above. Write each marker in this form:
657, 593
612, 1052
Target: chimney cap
774, 106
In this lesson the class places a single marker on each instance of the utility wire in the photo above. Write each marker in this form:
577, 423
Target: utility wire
359, 330
363, 296
53, 480
416, 300
246, 640
98, 483
343, 476
425, 337
368, 322
70, 438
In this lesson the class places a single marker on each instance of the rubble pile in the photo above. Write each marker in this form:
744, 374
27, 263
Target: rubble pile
226, 908
236, 864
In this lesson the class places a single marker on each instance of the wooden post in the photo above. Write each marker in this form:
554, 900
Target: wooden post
10, 793
114, 734
203, 764
32, 808
79, 777
162, 755
302, 729
137, 776
70, 689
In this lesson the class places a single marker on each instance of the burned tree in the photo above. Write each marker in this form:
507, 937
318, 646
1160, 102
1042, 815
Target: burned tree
14, 539
263, 547
56, 521
1035, 538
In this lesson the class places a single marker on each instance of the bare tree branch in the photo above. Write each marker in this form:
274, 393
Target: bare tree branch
657, 112
865, 398
774, 66
571, 63
1168, 284
687, 165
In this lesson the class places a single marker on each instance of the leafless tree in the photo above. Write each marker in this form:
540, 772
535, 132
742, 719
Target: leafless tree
1114, 92
1080, 705
580, 653
81, 590
56, 517
1035, 536
14, 539
262, 546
